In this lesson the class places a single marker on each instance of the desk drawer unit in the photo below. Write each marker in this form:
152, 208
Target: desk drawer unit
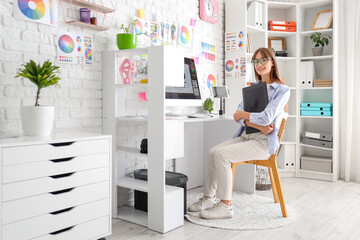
60, 189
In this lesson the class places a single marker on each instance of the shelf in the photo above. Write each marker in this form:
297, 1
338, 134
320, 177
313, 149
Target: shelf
280, 34
288, 142
280, 5
317, 88
134, 51
132, 183
319, 58
311, 146
323, 31
90, 5
133, 215
325, 117
132, 118
87, 25
285, 58
252, 29
134, 151
292, 88
131, 85
315, 4
316, 175
292, 116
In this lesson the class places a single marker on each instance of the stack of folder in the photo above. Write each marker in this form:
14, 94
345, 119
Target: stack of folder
318, 139
316, 109
284, 26
323, 83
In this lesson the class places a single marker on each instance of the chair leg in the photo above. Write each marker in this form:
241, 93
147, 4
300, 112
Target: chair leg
279, 188
273, 186
233, 168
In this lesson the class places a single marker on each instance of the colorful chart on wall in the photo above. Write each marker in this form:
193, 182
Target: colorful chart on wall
40, 11
233, 67
211, 80
208, 51
235, 40
167, 30
186, 35
147, 34
74, 48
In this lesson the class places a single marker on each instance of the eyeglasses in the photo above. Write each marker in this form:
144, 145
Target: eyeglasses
262, 61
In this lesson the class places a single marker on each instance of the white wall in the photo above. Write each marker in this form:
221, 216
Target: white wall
78, 101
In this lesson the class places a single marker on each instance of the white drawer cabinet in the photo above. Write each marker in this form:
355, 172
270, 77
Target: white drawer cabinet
55, 188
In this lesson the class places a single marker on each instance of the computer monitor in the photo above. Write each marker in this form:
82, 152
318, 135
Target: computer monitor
189, 95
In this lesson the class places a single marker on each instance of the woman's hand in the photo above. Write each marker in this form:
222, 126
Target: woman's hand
241, 115
267, 129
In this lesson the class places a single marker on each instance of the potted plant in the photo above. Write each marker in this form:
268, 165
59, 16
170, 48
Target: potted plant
319, 42
38, 120
126, 40
208, 105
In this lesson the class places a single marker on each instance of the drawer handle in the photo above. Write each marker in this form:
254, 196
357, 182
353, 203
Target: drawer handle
62, 144
61, 191
62, 211
62, 159
62, 175
62, 230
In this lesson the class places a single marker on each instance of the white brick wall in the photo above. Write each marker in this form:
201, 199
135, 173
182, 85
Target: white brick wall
78, 100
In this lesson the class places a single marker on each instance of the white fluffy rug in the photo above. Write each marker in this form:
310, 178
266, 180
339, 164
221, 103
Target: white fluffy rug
251, 212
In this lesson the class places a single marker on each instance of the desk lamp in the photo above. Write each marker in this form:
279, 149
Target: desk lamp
220, 92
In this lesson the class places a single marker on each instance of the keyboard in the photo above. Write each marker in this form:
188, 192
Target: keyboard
199, 115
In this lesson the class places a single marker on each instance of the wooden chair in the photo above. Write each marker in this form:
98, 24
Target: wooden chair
273, 171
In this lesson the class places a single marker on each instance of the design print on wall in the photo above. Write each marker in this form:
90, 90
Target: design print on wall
211, 80
167, 30
74, 48
146, 33
40, 11
208, 52
234, 66
186, 33
234, 40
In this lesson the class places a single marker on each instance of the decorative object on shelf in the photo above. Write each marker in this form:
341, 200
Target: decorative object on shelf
209, 10
127, 71
84, 21
323, 82
281, 53
93, 20
322, 20
208, 105
319, 41
40, 11
74, 48
127, 40
144, 146
85, 15
276, 43
38, 120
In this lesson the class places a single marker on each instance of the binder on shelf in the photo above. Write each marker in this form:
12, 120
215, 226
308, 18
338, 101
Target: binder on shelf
315, 163
306, 104
282, 28
320, 136
254, 14
303, 74
315, 108
281, 23
260, 15
317, 143
316, 113
310, 73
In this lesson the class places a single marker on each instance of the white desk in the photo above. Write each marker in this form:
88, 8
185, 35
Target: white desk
200, 135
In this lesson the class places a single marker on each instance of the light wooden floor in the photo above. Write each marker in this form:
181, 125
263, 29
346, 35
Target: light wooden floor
327, 211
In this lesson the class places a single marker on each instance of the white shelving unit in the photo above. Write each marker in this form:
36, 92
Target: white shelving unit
165, 203
298, 44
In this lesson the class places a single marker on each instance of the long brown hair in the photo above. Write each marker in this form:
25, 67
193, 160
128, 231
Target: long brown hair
274, 72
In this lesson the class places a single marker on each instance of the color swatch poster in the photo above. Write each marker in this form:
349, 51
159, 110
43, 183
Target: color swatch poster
186, 35
74, 48
40, 11
146, 32
233, 67
211, 79
167, 30
235, 40
208, 51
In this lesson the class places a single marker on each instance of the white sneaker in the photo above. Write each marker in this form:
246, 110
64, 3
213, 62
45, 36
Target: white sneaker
203, 203
218, 211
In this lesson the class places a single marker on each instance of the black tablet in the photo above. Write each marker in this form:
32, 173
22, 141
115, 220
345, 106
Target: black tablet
255, 99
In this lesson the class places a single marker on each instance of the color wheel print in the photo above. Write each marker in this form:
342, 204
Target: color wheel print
229, 65
33, 9
138, 27
184, 35
211, 81
66, 44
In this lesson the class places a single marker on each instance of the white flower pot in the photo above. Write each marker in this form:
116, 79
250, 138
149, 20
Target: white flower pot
37, 120
317, 51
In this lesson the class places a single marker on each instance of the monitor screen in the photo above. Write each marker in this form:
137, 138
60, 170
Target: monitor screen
191, 90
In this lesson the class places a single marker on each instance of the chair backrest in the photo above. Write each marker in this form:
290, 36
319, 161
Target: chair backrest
280, 134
